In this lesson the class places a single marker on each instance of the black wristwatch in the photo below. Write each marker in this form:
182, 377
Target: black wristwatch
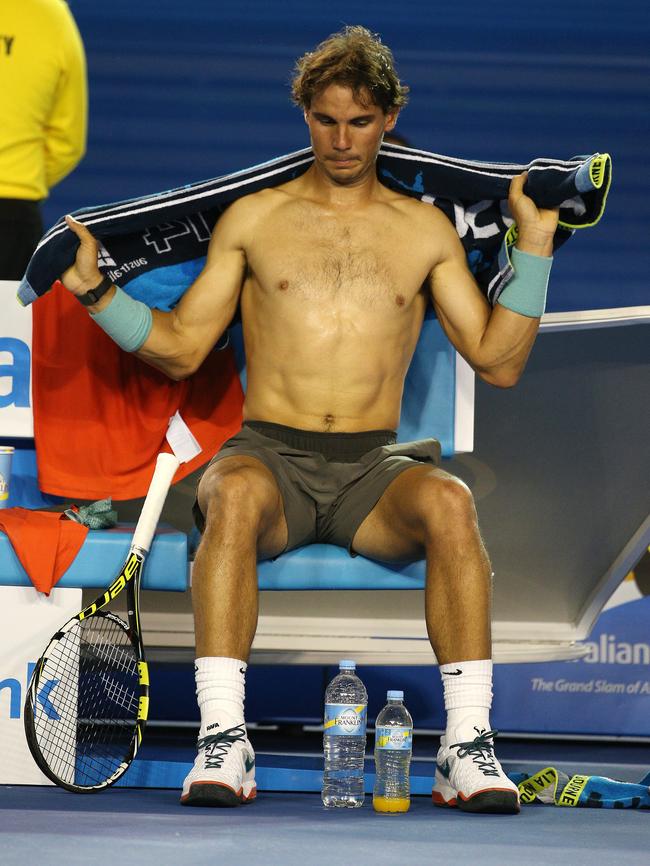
95, 294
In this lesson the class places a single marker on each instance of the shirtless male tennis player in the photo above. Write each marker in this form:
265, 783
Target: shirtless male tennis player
333, 272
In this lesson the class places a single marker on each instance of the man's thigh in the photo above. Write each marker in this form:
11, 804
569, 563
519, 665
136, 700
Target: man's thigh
394, 531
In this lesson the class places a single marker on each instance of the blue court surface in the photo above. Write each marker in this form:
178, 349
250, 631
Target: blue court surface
147, 825
125, 826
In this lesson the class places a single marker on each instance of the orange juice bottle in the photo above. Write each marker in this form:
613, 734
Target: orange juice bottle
393, 744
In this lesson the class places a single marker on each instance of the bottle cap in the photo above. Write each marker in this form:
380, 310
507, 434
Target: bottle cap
347, 665
394, 695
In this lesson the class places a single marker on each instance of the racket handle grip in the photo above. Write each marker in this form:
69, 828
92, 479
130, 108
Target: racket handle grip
166, 466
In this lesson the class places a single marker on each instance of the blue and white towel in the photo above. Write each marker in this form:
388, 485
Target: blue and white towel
557, 788
155, 246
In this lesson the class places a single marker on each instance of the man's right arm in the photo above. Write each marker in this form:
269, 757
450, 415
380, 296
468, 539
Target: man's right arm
178, 341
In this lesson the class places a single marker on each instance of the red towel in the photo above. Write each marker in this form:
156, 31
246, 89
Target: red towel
45, 542
101, 414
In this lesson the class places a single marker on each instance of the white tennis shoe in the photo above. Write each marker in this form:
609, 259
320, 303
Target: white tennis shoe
469, 776
224, 770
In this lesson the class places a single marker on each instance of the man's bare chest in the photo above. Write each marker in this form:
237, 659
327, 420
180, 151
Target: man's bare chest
352, 262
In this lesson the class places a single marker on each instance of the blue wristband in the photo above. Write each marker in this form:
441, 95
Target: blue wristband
526, 291
125, 320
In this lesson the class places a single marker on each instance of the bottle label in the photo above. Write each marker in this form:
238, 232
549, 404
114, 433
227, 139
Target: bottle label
394, 737
345, 719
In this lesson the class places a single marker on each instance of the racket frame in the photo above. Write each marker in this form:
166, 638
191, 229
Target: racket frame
129, 578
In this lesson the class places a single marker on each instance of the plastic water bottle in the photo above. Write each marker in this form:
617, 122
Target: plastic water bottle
393, 745
344, 739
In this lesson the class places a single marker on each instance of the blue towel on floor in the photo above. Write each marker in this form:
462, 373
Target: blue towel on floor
155, 246
554, 787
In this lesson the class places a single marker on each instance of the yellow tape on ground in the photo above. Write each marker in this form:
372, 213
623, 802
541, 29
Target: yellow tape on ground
572, 790
535, 786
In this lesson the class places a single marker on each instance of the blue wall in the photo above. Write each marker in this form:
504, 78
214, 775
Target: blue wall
186, 91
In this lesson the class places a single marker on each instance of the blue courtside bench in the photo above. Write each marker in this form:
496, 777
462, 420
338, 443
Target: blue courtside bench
102, 555
103, 551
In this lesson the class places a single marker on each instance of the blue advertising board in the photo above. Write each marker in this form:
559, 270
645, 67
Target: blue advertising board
606, 693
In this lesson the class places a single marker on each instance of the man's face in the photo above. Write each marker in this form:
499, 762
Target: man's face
346, 134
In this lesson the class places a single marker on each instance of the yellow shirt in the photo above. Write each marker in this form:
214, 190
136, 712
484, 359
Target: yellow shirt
43, 96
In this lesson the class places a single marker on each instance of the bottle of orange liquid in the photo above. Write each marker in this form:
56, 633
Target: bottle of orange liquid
393, 746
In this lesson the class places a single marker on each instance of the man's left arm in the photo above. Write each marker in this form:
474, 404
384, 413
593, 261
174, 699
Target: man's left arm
497, 341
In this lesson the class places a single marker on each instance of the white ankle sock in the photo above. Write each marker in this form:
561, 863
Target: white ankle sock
468, 696
220, 684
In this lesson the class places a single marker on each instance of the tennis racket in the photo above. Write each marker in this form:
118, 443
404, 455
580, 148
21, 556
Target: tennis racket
88, 698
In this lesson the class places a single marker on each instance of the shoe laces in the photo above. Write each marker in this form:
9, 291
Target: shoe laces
218, 745
481, 751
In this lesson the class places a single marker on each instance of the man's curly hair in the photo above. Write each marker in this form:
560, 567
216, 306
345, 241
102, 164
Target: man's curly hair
356, 58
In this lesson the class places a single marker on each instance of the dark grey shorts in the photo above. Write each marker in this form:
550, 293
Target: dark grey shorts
329, 482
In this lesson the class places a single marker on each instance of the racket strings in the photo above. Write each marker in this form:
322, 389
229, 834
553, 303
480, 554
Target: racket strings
87, 701
119, 694
111, 652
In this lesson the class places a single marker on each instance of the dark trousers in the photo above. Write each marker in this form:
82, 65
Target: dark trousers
21, 228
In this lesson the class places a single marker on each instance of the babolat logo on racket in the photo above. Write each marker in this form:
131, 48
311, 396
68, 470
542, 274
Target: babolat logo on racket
133, 563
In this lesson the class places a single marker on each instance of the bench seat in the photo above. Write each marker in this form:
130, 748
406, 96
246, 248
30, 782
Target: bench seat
324, 566
103, 554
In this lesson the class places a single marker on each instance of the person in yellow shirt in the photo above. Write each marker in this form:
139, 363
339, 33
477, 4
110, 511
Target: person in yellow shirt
43, 118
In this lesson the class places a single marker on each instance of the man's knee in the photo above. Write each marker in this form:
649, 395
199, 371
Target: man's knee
445, 503
237, 490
